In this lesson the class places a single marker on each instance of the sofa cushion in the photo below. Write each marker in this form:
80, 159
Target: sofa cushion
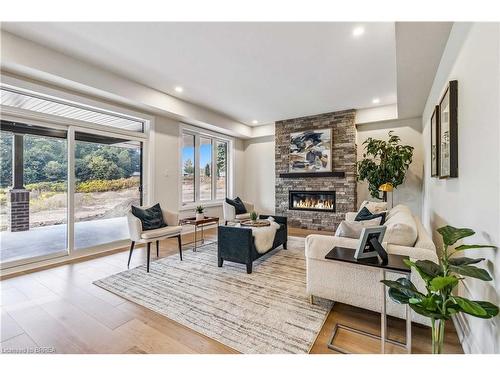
353, 229
318, 245
401, 229
365, 214
161, 232
151, 218
374, 207
396, 209
238, 205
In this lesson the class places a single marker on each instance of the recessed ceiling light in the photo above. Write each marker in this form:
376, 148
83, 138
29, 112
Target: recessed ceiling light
358, 31
376, 101
255, 122
179, 89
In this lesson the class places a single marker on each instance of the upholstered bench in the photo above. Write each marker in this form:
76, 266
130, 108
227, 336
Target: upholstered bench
236, 244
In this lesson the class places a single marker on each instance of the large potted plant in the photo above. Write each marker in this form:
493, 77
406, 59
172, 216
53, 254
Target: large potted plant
384, 163
439, 303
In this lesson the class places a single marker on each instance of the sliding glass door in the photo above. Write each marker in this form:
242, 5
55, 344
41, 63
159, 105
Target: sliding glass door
108, 181
33, 193
35, 198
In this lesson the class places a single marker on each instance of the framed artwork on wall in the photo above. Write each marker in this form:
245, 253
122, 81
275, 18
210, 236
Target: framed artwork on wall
448, 132
311, 151
435, 142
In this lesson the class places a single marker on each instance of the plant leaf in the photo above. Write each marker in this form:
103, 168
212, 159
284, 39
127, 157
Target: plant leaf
398, 296
441, 282
491, 309
426, 269
470, 307
402, 290
471, 271
465, 247
463, 261
431, 314
451, 234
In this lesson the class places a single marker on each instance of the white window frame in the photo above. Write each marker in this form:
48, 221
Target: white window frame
214, 137
71, 126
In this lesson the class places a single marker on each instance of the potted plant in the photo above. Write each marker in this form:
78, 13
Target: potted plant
384, 163
199, 212
253, 216
439, 303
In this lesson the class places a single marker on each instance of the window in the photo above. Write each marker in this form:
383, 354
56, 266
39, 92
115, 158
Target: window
204, 169
66, 182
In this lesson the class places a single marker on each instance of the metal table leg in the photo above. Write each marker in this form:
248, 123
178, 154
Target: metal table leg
195, 240
383, 327
383, 317
408, 325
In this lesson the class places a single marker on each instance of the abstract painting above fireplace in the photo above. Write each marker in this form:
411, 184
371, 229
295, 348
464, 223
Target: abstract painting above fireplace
312, 200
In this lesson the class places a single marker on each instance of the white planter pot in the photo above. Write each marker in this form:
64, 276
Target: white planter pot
200, 216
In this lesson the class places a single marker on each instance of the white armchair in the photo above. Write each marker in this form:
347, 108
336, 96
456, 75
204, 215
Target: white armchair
137, 235
230, 212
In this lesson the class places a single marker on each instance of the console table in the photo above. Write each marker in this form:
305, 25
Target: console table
199, 224
395, 264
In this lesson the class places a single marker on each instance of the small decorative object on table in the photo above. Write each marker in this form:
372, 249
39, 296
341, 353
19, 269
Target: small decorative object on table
439, 303
255, 223
370, 243
199, 212
253, 216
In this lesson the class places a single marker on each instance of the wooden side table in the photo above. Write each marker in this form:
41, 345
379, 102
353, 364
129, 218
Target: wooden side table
199, 224
395, 265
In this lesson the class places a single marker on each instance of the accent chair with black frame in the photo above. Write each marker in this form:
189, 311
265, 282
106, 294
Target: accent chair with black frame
138, 235
236, 244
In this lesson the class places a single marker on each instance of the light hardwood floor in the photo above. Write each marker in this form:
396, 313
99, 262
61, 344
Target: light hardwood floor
60, 310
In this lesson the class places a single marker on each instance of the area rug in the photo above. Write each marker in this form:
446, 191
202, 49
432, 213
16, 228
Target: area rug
267, 311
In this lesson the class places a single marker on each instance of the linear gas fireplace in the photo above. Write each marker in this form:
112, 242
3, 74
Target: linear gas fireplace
311, 200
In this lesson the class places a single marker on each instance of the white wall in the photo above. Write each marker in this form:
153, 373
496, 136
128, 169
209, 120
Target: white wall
410, 131
473, 199
259, 173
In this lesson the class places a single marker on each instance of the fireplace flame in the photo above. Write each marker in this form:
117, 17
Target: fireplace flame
325, 204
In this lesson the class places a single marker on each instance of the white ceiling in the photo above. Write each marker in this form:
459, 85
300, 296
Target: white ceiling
248, 71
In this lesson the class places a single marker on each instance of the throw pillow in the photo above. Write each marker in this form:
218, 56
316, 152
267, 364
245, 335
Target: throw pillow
238, 205
374, 207
353, 229
365, 214
151, 218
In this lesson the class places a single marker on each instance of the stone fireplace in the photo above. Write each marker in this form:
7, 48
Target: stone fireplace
317, 201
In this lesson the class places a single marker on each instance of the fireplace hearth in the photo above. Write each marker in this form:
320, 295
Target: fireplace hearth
312, 200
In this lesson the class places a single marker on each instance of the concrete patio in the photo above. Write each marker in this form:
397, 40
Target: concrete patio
52, 239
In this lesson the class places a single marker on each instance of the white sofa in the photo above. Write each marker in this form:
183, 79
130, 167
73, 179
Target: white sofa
358, 285
230, 212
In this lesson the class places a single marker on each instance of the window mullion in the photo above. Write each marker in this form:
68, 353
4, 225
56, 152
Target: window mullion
71, 189
213, 171
197, 179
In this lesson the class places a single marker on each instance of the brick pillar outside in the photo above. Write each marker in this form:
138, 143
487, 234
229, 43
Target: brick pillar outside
19, 210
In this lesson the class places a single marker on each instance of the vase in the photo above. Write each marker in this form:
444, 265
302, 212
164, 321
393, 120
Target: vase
437, 326
200, 216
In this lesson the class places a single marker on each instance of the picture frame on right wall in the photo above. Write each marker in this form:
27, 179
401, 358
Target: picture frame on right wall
435, 142
448, 132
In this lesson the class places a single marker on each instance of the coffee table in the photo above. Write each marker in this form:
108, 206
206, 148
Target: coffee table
395, 264
199, 224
